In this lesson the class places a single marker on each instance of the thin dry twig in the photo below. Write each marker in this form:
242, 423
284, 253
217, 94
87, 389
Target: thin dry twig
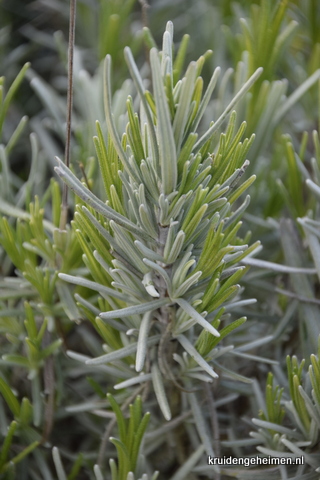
64, 205
49, 382
144, 12
145, 21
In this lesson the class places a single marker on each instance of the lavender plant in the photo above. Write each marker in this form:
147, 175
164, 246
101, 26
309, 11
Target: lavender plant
288, 423
142, 344
164, 251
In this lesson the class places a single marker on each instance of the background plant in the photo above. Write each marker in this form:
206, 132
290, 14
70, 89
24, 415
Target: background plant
38, 310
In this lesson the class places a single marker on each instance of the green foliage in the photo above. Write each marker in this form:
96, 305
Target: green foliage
146, 302
7, 99
263, 37
170, 183
300, 433
131, 433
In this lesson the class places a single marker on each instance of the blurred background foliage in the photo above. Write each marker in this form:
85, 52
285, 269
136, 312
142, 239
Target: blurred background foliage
282, 110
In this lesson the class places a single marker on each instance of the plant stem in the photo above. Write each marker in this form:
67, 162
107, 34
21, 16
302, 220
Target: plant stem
144, 12
64, 206
49, 386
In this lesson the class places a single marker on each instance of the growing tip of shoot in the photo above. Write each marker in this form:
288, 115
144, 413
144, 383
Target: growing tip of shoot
258, 72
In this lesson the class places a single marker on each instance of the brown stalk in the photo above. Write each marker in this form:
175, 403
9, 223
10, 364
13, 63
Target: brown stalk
144, 12
49, 388
64, 205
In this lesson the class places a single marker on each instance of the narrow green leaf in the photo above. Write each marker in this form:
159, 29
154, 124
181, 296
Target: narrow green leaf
11, 92
167, 149
120, 418
123, 457
240, 190
238, 213
142, 93
136, 309
142, 378
148, 38
88, 197
22, 455
99, 475
114, 469
126, 351
52, 348
58, 464
166, 57
154, 266
15, 359
232, 374
296, 95
171, 254
7, 443
187, 284
196, 316
138, 439
147, 252
228, 329
309, 406
180, 58
76, 468
110, 120
160, 392
206, 99
16, 134
9, 397
200, 424
276, 267
228, 109
92, 285
142, 341
196, 355
182, 112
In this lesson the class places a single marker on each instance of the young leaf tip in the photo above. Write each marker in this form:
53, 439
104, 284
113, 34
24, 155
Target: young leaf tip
258, 72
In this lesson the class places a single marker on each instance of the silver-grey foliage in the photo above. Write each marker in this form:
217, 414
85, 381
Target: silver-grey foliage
167, 239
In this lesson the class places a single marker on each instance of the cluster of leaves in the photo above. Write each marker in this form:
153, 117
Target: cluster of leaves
290, 427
